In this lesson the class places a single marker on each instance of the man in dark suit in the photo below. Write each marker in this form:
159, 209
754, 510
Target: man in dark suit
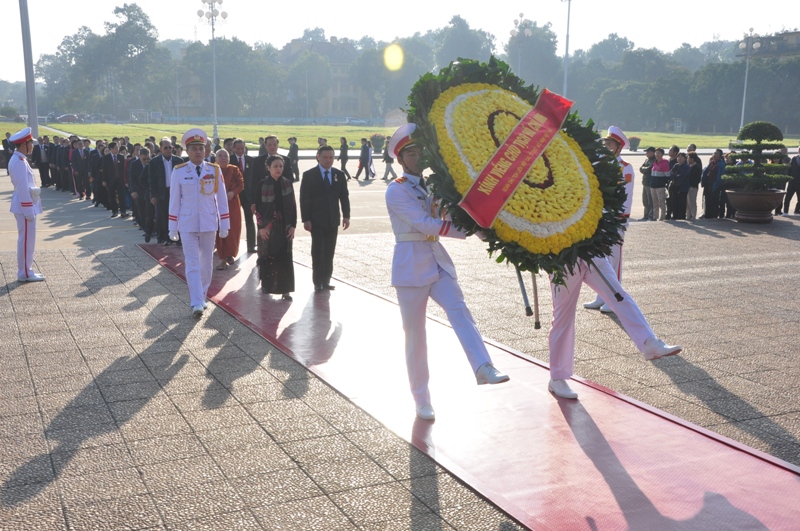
260, 168
79, 164
363, 160
245, 163
62, 160
99, 192
8, 149
159, 172
113, 180
322, 191
137, 184
42, 160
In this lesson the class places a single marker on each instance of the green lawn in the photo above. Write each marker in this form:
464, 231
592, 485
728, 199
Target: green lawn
307, 134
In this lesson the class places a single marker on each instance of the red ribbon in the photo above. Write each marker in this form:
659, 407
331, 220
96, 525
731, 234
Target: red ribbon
514, 158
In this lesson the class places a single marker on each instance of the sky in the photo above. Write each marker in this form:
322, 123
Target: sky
663, 25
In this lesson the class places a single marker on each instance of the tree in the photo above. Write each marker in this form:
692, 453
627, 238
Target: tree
611, 49
533, 57
459, 40
309, 79
313, 35
688, 56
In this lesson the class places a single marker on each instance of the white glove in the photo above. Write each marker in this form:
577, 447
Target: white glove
482, 236
223, 234
173, 235
30, 218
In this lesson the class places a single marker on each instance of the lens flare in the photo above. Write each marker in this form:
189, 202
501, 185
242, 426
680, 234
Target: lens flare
393, 57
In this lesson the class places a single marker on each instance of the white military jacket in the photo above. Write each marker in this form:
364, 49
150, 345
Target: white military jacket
627, 176
198, 203
418, 255
22, 179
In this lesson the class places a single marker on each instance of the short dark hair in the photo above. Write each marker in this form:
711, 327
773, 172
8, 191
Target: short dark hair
268, 138
271, 159
237, 141
144, 151
111, 145
326, 147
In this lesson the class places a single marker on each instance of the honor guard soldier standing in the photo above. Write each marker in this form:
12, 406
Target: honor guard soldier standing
615, 141
25, 204
198, 206
422, 269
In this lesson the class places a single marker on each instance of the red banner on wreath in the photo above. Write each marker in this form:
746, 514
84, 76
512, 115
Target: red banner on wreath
514, 158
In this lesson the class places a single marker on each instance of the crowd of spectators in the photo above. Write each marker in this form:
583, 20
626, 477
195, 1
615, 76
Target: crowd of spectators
671, 184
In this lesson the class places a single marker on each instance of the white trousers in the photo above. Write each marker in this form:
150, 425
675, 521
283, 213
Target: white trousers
565, 299
26, 243
413, 301
615, 258
198, 253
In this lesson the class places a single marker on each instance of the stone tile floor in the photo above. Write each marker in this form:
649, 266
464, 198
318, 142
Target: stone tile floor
120, 412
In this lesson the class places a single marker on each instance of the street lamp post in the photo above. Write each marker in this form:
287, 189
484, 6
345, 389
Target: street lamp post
566, 50
211, 14
748, 46
522, 27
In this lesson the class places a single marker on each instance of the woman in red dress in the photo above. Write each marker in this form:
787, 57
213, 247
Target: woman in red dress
228, 247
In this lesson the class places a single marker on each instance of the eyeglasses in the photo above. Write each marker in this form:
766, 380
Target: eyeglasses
166, 147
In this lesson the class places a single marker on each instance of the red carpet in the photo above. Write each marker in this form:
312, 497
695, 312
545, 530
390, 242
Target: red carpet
603, 462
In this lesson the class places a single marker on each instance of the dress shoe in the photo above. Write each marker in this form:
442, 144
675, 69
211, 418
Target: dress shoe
197, 311
606, 309
124, 215
96, 205
318, 288
286, 297
594, 305
33, 277
655, 348
425, 412
561, 388
147, 238
487, 374
167, 243
329, 287
114, 214
251, 250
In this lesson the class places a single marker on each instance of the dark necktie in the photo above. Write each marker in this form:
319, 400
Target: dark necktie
422, 183
327, 177
198, 170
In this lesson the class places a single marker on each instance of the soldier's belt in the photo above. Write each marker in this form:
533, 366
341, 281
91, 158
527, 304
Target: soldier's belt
415, 237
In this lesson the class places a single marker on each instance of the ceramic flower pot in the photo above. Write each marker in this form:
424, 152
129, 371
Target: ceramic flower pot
755, 207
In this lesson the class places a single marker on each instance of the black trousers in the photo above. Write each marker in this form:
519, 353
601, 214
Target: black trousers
710, 203
344, 168
249, 223
149, 216
791, 190
162, 217
679, 204
44, 174
116, 196
323, 247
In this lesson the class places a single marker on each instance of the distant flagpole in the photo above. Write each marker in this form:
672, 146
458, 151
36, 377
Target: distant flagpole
30, 81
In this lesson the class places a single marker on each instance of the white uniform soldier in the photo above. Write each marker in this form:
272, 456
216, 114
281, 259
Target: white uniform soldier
25, 204
615, 142
198, 206
422, 269
565, 298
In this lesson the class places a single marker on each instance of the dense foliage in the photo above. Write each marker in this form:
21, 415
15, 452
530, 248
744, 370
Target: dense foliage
753, 170
638, 89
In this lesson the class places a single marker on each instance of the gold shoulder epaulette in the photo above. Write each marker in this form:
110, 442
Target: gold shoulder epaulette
400, 180
181, 165
213, 164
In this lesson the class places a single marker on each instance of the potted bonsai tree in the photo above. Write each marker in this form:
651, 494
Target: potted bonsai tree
755, 186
